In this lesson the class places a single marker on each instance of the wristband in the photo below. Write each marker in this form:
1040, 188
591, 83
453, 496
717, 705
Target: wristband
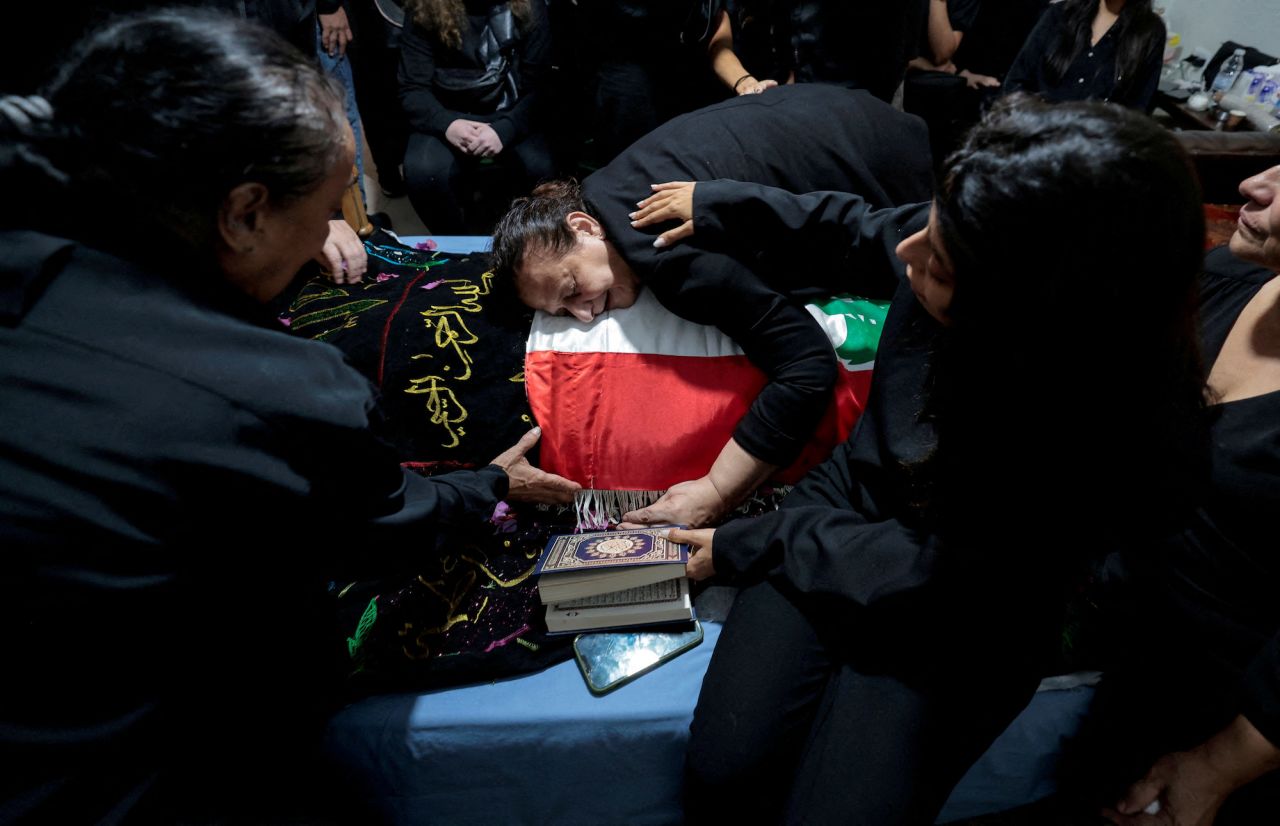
738, 82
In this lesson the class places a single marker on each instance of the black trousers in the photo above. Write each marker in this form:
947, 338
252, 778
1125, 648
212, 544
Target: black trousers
788, 729
444, 184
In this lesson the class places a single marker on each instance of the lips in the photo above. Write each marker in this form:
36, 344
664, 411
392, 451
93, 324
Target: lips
1248, 228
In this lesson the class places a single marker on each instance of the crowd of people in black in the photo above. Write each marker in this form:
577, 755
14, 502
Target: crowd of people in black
465, 103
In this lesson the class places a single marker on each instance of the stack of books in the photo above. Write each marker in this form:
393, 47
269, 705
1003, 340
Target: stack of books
611, 579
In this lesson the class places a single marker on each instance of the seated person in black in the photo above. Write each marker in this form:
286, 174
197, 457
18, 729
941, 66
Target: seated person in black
1189, 718
578, 253
180, 478
471, 73
900, 606
643, 63
945, 28
1092, 50
855, 44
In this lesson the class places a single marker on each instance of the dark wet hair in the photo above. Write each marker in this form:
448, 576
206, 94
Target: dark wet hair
157, 116
536, 222
1070, 372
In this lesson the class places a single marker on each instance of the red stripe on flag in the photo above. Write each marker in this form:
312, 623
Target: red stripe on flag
624, 421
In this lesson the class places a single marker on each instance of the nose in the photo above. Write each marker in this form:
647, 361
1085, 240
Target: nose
1262, 185
908, 249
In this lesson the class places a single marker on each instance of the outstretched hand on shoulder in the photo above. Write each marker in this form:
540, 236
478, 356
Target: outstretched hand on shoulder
671, 201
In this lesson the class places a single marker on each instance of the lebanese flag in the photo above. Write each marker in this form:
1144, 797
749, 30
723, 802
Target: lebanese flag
640, 399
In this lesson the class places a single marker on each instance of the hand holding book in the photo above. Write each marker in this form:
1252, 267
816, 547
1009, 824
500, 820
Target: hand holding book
700, 565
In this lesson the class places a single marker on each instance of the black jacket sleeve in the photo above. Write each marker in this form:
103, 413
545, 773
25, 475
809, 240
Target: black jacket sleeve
836, 535
838, 230
424, 110
1025, 73
777, 335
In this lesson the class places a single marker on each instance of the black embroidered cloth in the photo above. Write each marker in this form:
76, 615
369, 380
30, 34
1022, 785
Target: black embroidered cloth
449, 364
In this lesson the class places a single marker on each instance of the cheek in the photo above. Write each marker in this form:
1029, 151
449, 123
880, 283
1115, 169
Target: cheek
940, 296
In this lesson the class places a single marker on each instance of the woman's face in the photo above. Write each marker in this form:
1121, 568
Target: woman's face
583, 282
929, 269
267, 243
1257, 236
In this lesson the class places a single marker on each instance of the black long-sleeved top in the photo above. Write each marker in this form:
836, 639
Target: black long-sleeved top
179, 477
799, 138
857, 496
1221, 576
852, 537
421, 53
1091, 75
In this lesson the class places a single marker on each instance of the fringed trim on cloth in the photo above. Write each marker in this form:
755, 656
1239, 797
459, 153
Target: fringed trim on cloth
598, 509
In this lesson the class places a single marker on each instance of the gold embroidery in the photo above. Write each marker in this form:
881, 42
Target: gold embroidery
502, 583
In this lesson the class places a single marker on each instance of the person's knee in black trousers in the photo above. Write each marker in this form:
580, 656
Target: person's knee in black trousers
433, 176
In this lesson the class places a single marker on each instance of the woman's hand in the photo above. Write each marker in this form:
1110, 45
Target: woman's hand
335, 33
1186, 788
462, 134
694, 503
976, 81
343, 259
700, 565
1180, 789
526, 482
486, 141
751, 86
672, 201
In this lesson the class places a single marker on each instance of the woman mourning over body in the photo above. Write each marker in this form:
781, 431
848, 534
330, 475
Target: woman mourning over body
179, 477
1036, 400
470, 78
1094, 50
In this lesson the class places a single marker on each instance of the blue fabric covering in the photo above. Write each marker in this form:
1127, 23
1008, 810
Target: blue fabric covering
457, 244
541, 749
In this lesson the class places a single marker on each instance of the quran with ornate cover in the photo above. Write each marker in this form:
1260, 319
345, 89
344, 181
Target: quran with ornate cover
576, 566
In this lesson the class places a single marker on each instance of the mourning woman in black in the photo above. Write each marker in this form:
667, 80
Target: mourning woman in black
1092, 50
180, 477
1036, 401
471, 72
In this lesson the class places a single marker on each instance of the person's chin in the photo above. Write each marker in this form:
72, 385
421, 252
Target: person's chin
1242, 246
619, 301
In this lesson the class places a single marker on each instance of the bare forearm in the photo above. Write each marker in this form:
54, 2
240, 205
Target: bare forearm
1240, 753
943, 40
736, 473
724, 61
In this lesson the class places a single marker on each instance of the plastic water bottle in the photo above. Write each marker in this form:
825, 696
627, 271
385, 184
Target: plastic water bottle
1267, 93
1227, 74
1256, 79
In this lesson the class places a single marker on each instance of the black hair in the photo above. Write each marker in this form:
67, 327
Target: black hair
536, 222
1070, 372
1138, 32
157, 116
